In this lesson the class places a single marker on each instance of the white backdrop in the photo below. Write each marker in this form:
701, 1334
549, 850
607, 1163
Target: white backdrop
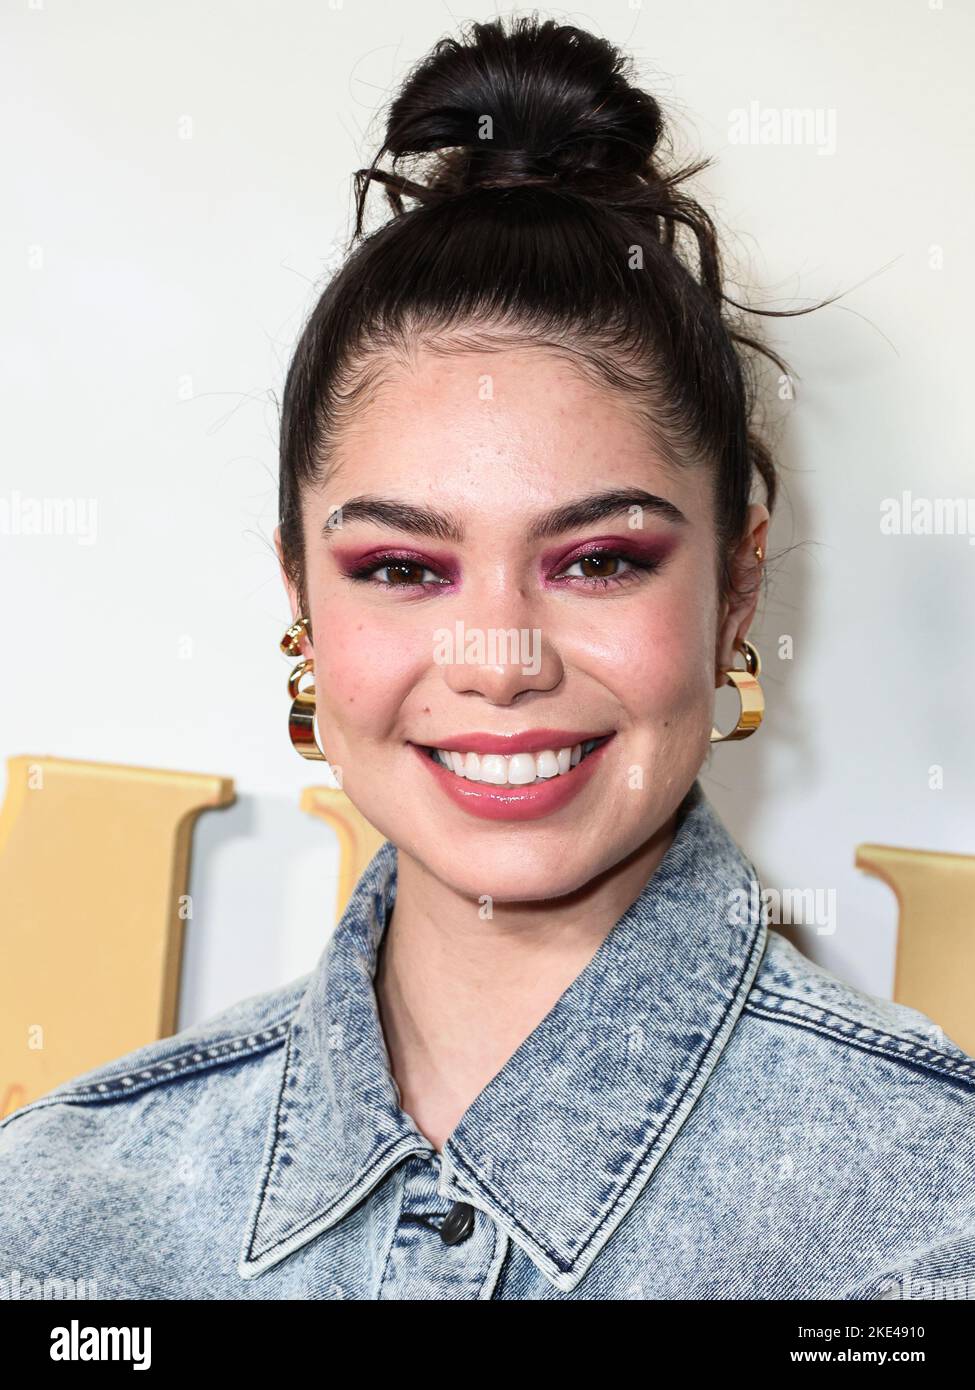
176, 179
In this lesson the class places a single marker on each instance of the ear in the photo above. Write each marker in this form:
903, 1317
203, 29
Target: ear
294, 601
737, 612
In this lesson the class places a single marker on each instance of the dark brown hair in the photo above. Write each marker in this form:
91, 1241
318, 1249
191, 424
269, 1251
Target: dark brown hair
543, 217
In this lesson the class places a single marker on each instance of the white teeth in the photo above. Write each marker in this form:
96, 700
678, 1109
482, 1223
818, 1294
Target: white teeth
518, 770
547, 763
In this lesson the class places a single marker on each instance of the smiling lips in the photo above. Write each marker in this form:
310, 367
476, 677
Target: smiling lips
514, 777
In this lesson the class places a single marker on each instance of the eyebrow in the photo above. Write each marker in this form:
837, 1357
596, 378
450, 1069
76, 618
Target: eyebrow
395, 515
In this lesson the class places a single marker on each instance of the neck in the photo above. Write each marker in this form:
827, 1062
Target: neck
458, 995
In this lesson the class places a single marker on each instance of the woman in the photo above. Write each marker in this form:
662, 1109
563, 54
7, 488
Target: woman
551, 1051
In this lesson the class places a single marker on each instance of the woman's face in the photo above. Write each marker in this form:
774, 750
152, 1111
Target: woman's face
453, 606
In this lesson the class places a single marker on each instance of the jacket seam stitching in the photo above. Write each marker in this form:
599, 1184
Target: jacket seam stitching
190, 1061
268, 1166
879, 1042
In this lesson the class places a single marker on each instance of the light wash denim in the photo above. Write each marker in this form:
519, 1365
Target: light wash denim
703, 1114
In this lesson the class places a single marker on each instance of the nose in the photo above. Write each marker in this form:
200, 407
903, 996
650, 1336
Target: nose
499, 649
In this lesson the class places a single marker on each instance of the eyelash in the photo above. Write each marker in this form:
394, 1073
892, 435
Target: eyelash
640, 569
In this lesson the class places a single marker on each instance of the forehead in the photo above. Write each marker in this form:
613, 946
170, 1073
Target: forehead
488, 429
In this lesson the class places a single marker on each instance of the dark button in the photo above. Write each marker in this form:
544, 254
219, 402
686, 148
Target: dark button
457, 1224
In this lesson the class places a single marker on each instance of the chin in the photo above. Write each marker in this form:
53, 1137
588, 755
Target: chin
520, 867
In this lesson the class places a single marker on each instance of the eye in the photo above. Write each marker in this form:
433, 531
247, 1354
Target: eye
404, 572
600, 568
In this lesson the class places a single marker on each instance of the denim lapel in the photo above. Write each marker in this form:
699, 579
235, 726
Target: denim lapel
561, 1142
337, 1127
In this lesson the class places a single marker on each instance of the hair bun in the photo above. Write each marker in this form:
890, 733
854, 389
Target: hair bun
530, 102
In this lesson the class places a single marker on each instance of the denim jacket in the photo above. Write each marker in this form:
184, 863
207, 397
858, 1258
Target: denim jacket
703, 1113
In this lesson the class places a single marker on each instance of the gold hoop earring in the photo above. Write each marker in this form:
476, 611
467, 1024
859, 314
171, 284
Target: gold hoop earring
301, 717
749, 692
291, 641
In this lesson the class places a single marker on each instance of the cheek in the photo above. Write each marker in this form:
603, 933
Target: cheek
363, 669
660, 665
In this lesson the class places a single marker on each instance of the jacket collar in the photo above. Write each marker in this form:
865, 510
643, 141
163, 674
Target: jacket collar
559, 1144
